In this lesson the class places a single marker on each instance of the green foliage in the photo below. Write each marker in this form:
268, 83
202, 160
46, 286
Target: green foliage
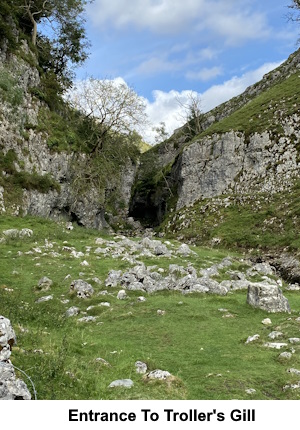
9, 90
14, 181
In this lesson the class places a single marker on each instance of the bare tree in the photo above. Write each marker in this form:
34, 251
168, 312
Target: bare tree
116, 108
192, 114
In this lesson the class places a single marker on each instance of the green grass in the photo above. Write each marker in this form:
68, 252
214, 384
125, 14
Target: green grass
263, 112
264, 222
193, 341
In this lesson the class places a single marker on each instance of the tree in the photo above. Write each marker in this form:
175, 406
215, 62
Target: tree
110, 107
161, 132
295, 14
61, 40
192, 114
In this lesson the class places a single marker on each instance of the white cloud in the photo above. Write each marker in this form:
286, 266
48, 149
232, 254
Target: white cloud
167, 106
217, 94
230, 19
204, 74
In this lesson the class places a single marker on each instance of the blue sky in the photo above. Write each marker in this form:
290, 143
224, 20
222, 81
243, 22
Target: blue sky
167, 48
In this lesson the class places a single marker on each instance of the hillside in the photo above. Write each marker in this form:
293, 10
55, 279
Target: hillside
236, 183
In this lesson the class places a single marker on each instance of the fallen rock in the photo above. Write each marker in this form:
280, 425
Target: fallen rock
252, 338
286, 355
275, 345
159, 374
140, 367
44, 284
122, 295
73, 311
127, 383
83, 289
44, 299
267, 297
275, 334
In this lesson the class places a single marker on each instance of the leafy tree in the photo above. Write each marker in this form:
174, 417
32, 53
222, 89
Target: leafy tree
64, 21
161, 133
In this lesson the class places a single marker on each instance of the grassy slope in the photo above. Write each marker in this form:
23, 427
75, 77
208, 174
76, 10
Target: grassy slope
260, 221
202, 349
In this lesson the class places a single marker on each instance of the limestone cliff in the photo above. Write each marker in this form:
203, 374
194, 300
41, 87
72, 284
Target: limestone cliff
248, 147
36, 177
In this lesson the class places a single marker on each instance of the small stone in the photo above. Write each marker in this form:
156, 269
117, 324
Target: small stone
127, 383
141, 367
141, 299
107, 304
102, 361
122, 295
45, 284
275, 334
73, 311
275, 345
252, 338
266, 321
83, 289
44, 299
295, 371
159, 374
294, 339
160, 312
286, 355
250, 391
87, 319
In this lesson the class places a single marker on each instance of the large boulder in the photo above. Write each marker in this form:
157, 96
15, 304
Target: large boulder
267, 297
11, 388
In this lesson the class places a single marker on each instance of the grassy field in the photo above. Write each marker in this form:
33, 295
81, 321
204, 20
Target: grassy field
204, 350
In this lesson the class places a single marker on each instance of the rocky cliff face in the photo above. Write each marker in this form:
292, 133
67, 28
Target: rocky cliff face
21, 140
248, 146
228, 163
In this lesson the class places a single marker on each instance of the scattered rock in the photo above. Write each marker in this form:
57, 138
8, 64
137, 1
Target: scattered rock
292, 386
83, 289
294, 371
252, 338
250, 391
275, 334
122, 295
160, 312
266, 321
286, 355
102, 361
73, 311
294, 339
141, 367
158, 374
44, 299
87, 319
127, 383
275, 345
44, 284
